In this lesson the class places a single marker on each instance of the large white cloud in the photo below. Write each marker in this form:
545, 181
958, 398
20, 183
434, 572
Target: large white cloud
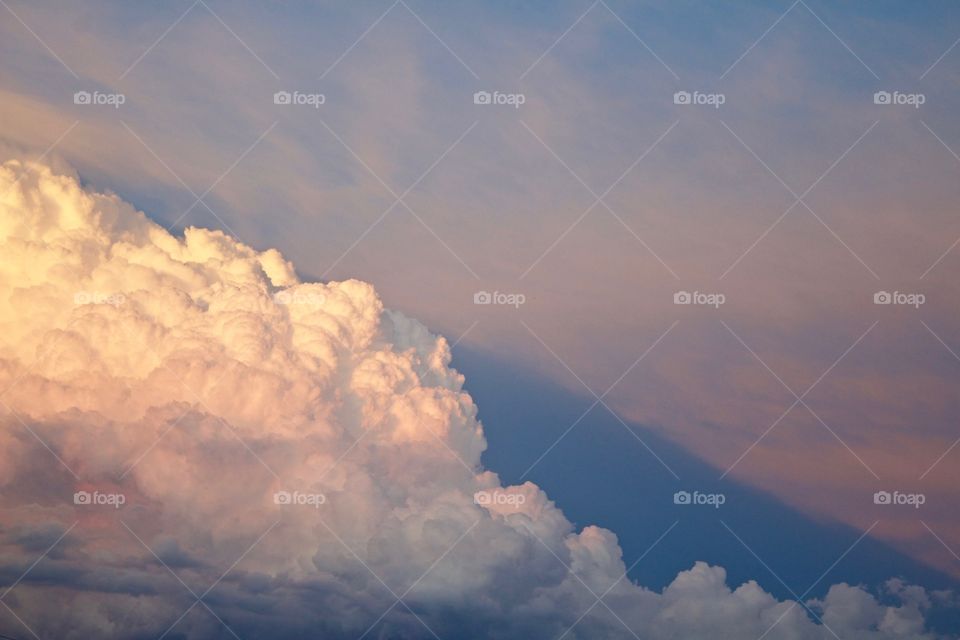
198, 378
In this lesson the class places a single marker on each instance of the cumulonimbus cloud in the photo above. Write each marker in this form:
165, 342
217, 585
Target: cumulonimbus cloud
204, 446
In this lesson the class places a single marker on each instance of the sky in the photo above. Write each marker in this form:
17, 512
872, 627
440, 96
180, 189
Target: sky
787, 168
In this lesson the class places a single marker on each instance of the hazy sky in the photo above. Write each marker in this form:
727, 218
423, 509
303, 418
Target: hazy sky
792, 191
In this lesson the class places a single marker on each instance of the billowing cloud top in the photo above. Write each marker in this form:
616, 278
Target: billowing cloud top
183, 420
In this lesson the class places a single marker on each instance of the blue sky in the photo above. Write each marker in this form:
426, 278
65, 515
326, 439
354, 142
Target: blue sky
597, 200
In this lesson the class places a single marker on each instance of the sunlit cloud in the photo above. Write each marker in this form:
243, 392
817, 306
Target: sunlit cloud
300, 457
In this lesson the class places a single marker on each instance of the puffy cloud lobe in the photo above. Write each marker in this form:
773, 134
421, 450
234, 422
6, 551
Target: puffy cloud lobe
199, 377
